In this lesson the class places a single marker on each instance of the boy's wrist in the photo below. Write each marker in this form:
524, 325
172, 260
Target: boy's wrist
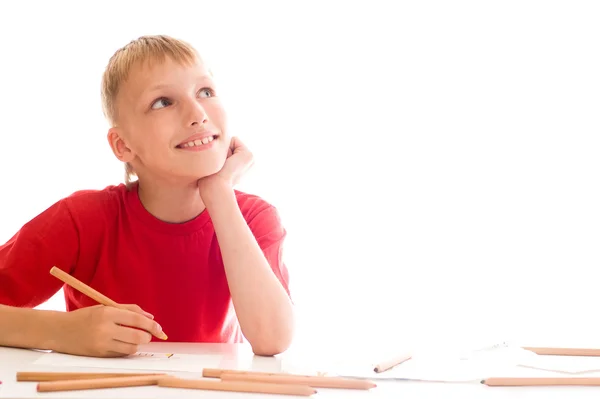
50, 332
214, 191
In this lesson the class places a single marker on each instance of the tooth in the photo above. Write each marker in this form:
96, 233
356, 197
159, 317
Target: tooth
189, 144
205, 140
210, 138
197, 142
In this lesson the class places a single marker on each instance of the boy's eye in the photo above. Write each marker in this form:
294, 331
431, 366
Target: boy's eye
160, 103
206, 92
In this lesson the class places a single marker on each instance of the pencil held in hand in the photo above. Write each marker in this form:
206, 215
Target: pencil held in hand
92, 293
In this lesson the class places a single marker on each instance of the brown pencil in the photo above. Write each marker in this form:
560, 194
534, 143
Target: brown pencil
236, 386
388, 364
98, 383
541, 381
38, 376
563, 351
90, 292
312, 381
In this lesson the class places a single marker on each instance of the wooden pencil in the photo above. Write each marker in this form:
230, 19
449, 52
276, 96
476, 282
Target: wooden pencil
312, 381
393, 362
98, 383
90, 292
39, 376
540, 381
237, 386
563, 351
216, 373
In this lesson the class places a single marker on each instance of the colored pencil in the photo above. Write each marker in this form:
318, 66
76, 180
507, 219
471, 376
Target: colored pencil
216, 373
39, 376
98, 383
391, 363
541, 381
90, 292
236, 386
311, 381
563, 351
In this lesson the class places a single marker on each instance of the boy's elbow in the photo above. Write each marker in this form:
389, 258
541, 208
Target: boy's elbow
272, 346
269, 349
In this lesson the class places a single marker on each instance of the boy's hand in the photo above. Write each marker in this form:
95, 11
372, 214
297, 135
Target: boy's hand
239, 160
105, 331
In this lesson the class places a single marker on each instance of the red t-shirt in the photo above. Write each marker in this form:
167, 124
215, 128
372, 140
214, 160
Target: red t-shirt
108, 240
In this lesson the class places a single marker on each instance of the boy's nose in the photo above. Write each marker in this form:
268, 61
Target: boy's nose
196, 114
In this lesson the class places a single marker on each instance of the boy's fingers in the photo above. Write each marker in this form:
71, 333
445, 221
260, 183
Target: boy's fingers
137, 309
132, 319
131, 335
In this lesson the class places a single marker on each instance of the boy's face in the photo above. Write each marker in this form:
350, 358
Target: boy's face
171, 125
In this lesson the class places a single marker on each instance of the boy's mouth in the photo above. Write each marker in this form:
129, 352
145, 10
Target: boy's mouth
197, 141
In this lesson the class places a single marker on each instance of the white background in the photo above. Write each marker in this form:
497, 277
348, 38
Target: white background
435, 163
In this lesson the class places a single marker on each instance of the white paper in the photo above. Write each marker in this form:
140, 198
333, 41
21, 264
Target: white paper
563, 364
140, 361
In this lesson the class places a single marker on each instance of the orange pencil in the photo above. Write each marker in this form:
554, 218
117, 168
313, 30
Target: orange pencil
236, 386
311, 381
388, 364
541, 381
216, 373
563, 351
98, 383
38, 376
90, 292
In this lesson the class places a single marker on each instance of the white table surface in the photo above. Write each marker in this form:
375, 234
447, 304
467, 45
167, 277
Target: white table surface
240, 357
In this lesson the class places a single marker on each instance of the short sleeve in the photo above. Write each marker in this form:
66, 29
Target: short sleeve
50, 239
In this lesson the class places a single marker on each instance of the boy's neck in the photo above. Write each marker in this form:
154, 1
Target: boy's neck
171, 203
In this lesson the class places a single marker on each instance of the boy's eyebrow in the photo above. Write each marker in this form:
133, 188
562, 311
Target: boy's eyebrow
161, 86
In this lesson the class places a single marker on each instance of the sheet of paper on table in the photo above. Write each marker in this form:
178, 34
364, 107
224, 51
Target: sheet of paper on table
139, 361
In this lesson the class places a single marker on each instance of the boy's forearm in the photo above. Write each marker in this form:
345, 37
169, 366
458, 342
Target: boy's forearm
262, 305
28, 328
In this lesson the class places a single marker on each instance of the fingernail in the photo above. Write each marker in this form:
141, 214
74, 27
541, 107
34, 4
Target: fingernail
148, 315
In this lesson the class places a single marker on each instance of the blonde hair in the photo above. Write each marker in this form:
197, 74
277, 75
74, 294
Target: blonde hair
145, 49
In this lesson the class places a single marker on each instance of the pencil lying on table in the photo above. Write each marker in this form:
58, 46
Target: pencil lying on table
90, 292
563, 351
540, 381
311, 381
286, 378
98, 383
393, 362
38, 376
237, 386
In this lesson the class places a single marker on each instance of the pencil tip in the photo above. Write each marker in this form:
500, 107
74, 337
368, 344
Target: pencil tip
482, 381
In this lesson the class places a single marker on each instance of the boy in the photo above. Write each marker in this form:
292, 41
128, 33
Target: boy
198, 257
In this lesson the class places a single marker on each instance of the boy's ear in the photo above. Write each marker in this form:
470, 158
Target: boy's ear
119, 146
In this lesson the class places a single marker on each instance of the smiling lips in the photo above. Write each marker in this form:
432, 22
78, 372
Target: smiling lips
195, 142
